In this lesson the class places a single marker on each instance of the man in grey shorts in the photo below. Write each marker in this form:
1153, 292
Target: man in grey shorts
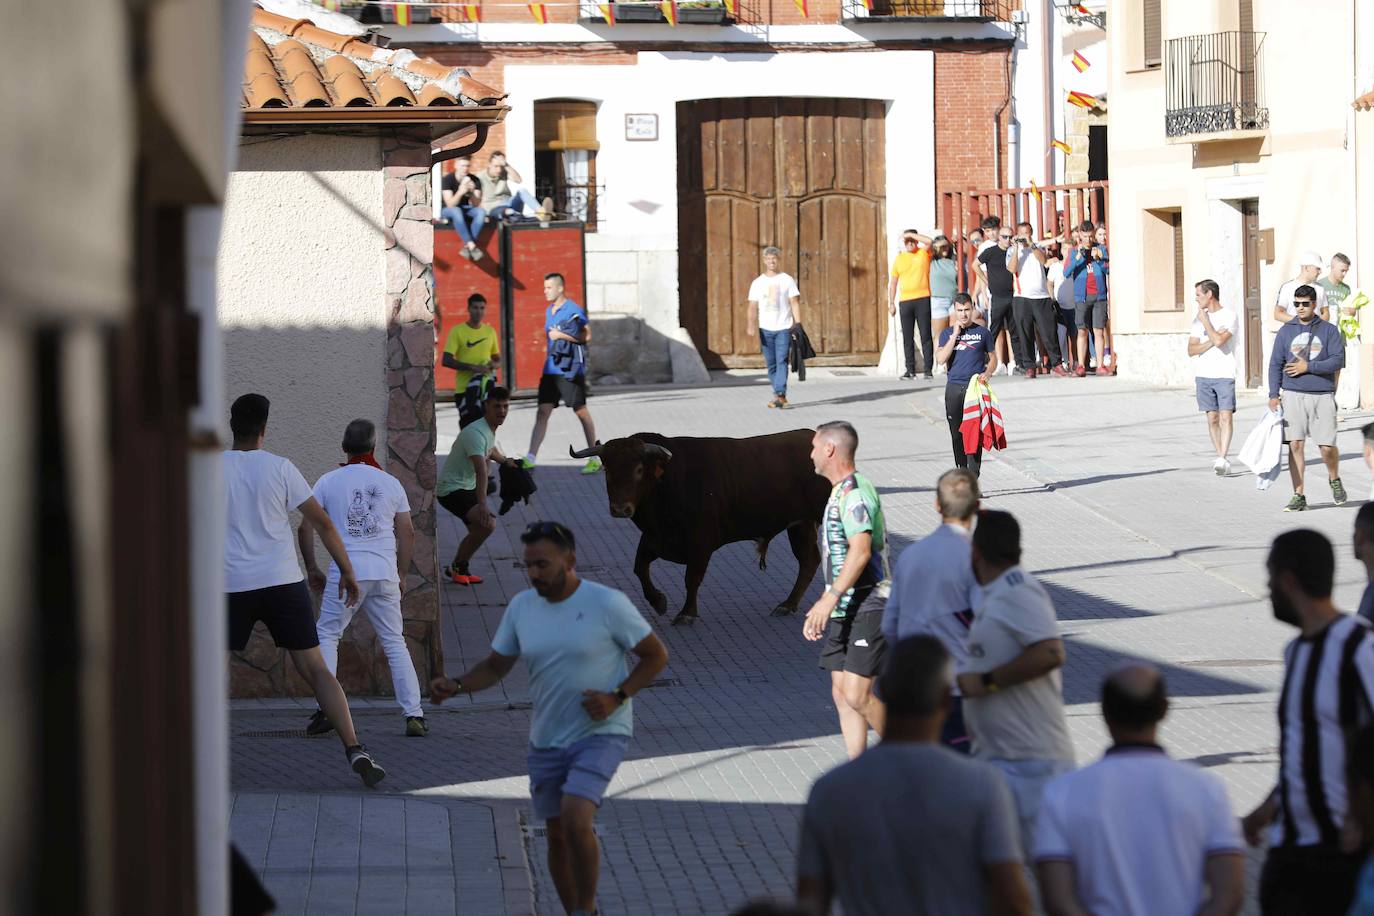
1212, 345
1308, 352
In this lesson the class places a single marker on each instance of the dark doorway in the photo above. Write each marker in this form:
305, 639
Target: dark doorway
1097, 152
1254, 323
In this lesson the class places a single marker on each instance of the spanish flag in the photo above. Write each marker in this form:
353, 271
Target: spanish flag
473, 12
669, 8
730, 8
607, 12
1080, 63
402, 12
1035, 192
1062, 147
540, 13
804, 8
1082, 99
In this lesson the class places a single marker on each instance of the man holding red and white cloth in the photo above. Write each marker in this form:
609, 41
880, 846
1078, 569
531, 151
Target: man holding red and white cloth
967, 352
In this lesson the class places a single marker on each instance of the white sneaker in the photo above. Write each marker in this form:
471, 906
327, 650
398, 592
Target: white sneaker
1222, 467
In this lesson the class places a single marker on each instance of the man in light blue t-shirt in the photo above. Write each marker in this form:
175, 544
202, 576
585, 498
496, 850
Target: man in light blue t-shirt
573, 635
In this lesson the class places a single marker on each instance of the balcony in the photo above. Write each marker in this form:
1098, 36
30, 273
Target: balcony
929, 10
1214, 88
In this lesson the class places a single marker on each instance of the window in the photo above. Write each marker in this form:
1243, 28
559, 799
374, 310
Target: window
1153, 32
565, 148
1164, 276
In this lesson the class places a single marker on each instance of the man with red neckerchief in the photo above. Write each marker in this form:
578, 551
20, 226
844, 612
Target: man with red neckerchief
370, 509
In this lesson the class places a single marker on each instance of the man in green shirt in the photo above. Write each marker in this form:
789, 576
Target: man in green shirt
858, 580
462, 486
1334, 283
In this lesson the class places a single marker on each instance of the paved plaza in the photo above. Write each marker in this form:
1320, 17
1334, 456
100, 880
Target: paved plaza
1145, 551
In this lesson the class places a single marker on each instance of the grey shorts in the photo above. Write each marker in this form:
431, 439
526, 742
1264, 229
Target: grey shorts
1308, 415
1091, 314
584, 768
1216, 394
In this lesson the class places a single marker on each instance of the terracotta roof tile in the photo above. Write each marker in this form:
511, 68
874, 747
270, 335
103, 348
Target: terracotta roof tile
293, 63
1365, 102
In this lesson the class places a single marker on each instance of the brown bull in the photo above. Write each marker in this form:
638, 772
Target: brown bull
691, 496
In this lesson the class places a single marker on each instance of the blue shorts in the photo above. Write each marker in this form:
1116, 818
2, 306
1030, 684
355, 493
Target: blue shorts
940, 307
1216, 394
583, 768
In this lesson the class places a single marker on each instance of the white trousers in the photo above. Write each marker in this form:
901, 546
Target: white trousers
382, 602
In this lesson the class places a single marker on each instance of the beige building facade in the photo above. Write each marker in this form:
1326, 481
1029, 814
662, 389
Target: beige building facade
1234, 148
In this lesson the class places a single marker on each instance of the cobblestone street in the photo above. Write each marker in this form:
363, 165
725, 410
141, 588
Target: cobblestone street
1146, 552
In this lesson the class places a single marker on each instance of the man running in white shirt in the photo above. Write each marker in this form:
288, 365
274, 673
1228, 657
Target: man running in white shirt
261, 575
370, 509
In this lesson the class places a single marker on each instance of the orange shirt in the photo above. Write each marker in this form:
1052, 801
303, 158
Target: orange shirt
912, 270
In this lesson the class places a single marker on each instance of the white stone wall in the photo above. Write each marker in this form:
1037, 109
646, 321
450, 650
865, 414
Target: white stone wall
302, 290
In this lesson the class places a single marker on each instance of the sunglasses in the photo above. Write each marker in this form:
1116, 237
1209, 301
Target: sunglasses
1303, 303
548, 531
1004, 237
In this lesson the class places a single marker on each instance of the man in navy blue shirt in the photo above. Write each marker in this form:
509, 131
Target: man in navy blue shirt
967, 352
565, 368
1308, 353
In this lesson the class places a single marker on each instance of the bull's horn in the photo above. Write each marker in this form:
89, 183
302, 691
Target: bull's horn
589, 452
652, 449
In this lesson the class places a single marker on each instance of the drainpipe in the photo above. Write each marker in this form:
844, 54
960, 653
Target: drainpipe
997, 125
477, 142
1047, 81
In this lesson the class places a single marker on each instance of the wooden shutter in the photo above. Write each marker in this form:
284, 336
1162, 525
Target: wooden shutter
1153, 31
1179, 283
561, 125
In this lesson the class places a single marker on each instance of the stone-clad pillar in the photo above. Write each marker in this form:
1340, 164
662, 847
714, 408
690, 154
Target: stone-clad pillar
411, 434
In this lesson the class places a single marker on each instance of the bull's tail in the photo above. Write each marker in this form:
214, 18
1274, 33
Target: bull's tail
761, 545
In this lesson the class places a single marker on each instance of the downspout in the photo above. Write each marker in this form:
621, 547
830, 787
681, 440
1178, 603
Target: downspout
1046, 80
458, 153
997, 125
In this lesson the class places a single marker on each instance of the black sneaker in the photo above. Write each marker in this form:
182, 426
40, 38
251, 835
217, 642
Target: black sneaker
1297, 504
908, 375
416, 727
1338, 492
363, 764
319, 724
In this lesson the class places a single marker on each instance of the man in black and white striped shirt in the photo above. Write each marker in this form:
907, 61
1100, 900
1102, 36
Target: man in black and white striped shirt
1328, 692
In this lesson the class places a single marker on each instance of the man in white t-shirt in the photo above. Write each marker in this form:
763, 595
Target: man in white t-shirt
1138, 834
1013, 695
370, 509
1212, 346
261, 575
774, 309
1309, 268
1031, 306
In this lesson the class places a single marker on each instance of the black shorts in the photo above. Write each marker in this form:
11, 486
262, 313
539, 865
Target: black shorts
856, 643
286, 609
571, 391
459, 502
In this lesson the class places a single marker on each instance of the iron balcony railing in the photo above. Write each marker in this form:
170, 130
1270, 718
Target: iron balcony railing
573, 200
990, 10
1214, 83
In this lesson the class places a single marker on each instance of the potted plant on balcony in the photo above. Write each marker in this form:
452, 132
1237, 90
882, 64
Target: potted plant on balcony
701, 12
635, 11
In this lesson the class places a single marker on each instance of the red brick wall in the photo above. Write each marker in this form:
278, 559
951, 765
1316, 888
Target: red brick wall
758, 12
969, 88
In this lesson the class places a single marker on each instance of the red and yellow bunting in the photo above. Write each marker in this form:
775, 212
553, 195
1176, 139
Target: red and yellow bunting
472, 12
1081, 10
1082, 100
1035, 192
669, 8
804, 8
607, 12
402, 13
730, 8
1080, 63
540, 12
1061, 146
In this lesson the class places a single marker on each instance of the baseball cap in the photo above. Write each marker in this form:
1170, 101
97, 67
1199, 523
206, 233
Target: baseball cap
1310, 259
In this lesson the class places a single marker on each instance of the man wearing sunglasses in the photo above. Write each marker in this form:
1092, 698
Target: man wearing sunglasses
573, 635
1308, 353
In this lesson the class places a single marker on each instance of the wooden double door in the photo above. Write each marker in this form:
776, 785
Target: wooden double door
806, 175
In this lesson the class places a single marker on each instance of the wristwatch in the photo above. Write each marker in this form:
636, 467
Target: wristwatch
457, 685
989, 684
621, 695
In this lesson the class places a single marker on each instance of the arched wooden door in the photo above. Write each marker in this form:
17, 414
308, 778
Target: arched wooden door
807, 175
